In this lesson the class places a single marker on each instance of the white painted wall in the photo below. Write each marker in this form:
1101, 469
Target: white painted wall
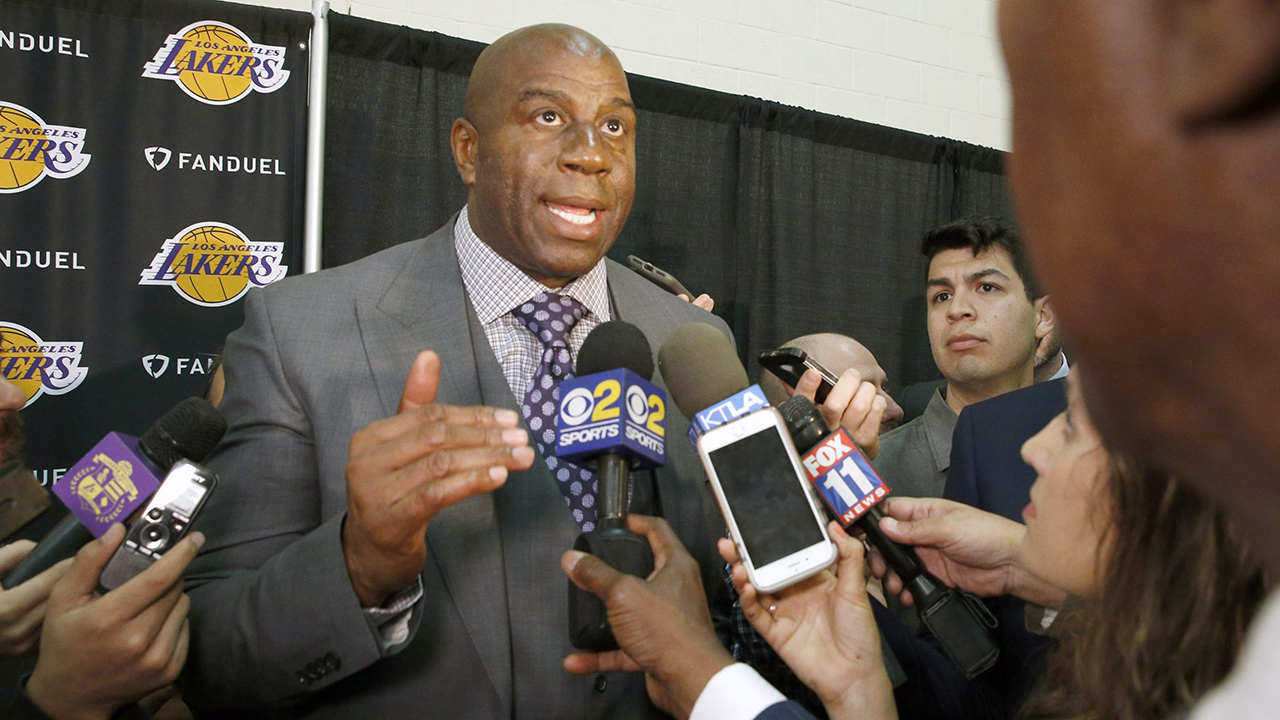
930, 66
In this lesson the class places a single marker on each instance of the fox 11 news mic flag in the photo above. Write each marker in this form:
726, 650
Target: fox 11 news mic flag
613, 419
117, 477
850, 488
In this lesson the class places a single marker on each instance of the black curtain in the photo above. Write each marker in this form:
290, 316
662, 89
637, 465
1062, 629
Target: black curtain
794, 221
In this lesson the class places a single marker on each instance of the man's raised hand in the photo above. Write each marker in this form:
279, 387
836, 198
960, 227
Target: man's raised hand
405, 469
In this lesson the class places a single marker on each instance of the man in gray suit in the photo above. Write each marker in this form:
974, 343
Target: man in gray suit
387, 547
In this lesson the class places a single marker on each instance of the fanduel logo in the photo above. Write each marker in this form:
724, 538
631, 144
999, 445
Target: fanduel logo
157, 364
157, 157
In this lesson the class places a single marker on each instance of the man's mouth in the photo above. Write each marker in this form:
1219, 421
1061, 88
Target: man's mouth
575, 214
963, 342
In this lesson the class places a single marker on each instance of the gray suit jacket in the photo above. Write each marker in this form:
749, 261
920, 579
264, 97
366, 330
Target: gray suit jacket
274, 618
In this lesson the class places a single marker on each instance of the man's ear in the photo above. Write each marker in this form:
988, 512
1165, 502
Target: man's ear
1224, 56
1045, 318
463, 139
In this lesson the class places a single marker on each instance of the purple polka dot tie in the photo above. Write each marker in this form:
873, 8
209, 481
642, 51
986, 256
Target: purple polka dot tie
550, 317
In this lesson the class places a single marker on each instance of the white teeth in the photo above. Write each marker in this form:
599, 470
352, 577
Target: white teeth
586, 217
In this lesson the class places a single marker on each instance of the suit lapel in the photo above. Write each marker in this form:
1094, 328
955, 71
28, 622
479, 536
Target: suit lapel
426, 307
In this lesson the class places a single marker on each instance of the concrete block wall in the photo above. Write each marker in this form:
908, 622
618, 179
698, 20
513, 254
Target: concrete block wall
930, 66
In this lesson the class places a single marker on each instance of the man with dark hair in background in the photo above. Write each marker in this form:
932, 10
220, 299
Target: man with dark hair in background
986, 316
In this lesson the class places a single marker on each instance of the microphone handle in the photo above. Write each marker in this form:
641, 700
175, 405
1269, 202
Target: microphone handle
62, 542
958, 627
902, 559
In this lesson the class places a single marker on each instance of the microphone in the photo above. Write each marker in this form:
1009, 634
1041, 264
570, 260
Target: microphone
851, 488
613, 419
116, 477
706, 379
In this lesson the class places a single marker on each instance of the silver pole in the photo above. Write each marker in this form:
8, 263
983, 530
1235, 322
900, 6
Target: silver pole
318, 76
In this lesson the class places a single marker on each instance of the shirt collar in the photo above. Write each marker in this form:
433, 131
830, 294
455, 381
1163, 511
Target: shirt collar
1063, 371
496, 286
939, 423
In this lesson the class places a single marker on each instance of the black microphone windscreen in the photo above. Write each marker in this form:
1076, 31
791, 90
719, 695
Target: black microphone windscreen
612, 345
700, 367
190, 430
804, 421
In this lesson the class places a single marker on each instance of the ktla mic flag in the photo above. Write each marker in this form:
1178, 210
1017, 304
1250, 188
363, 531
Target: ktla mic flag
151, 174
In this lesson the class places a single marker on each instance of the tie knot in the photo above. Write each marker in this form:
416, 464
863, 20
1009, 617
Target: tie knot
550, 317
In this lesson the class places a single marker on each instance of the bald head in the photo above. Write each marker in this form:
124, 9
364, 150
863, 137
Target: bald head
836, 353
547, 149
492, 69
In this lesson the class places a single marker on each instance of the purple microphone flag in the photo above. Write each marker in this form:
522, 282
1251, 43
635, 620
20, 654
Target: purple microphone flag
108, 484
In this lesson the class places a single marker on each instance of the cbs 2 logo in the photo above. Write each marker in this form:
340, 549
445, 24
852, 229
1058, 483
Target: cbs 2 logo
580, 405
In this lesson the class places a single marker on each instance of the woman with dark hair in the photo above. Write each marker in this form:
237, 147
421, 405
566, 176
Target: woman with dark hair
1166, 586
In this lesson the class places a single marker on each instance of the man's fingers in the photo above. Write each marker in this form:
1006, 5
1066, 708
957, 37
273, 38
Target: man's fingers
662, 539
807, 385
422, 419
705, 302
81, 579
590, 573
876, 562
437, 494
588, 663
431, 438
170, 636
443, 464
727, 550
423, 381
145, 627
12, 554
33, 593
161, 579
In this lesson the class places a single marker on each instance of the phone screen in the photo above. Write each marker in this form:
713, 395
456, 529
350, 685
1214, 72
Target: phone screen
769, 505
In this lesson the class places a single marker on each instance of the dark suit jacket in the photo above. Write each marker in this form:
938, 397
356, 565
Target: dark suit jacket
274, 618
988, 472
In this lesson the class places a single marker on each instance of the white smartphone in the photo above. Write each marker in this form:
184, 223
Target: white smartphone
779, 529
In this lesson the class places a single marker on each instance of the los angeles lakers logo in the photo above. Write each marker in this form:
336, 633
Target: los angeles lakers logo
32, 149
214, 264
38, 366
217, 64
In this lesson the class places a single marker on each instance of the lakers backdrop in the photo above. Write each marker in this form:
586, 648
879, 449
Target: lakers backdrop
151, 174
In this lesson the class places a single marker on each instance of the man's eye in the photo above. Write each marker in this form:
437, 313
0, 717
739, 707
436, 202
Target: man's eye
987, 287
549, 117
614, 127
942, 297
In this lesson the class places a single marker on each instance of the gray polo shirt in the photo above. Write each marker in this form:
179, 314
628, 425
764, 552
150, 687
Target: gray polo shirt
914, 458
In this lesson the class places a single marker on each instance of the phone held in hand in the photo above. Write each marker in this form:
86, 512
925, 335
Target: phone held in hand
789, 364
779, 530
658, 276
164, 522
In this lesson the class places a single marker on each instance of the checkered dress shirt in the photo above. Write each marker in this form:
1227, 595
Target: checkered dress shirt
496, 287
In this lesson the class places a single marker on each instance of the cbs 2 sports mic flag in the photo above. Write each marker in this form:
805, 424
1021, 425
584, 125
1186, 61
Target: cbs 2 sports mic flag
151, 174
617, 411
843, 477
